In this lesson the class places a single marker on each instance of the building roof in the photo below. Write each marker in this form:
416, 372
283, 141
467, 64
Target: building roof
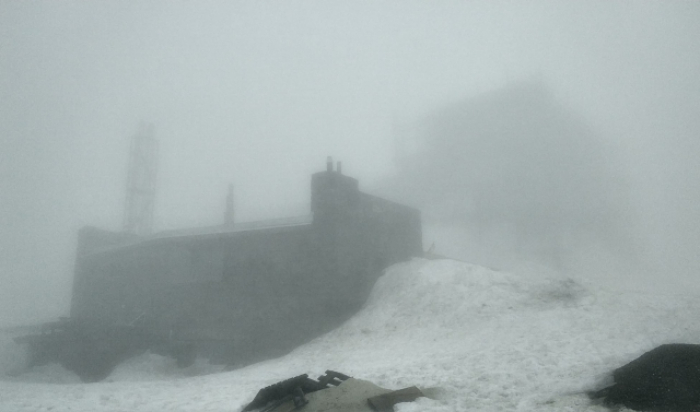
235, 228
213, 231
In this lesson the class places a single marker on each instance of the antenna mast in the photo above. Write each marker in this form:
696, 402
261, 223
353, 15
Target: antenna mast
141, 182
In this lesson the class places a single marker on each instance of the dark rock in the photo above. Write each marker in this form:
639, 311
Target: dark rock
664, 379
294, 388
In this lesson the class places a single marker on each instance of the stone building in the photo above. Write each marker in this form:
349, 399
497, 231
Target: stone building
241, 292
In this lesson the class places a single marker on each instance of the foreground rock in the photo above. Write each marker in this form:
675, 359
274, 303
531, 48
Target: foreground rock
662, 380
333, 391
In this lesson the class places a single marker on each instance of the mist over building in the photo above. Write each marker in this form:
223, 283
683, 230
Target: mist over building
514, 174
257, 92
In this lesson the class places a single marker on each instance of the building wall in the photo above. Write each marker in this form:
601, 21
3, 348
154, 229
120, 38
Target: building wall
249, 294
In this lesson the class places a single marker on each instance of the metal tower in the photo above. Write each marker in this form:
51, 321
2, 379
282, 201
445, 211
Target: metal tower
141, 182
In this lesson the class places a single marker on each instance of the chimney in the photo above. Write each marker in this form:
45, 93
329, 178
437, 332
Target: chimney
329, 164
339, 167
228, 215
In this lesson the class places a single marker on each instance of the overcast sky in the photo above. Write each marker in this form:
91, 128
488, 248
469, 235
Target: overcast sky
258, 94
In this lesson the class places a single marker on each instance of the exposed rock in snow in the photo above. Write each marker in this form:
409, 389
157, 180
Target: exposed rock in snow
349, 396
666, 378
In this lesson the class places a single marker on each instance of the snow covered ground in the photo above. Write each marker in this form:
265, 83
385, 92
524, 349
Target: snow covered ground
493, 341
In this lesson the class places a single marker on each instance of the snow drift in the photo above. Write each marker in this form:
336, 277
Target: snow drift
491, 340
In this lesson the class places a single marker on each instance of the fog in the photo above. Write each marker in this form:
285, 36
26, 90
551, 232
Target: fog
555, 132
512, 178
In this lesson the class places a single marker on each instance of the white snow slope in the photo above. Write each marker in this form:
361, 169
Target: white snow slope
493, 341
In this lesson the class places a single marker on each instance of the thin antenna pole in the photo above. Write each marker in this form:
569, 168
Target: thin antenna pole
141, 182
